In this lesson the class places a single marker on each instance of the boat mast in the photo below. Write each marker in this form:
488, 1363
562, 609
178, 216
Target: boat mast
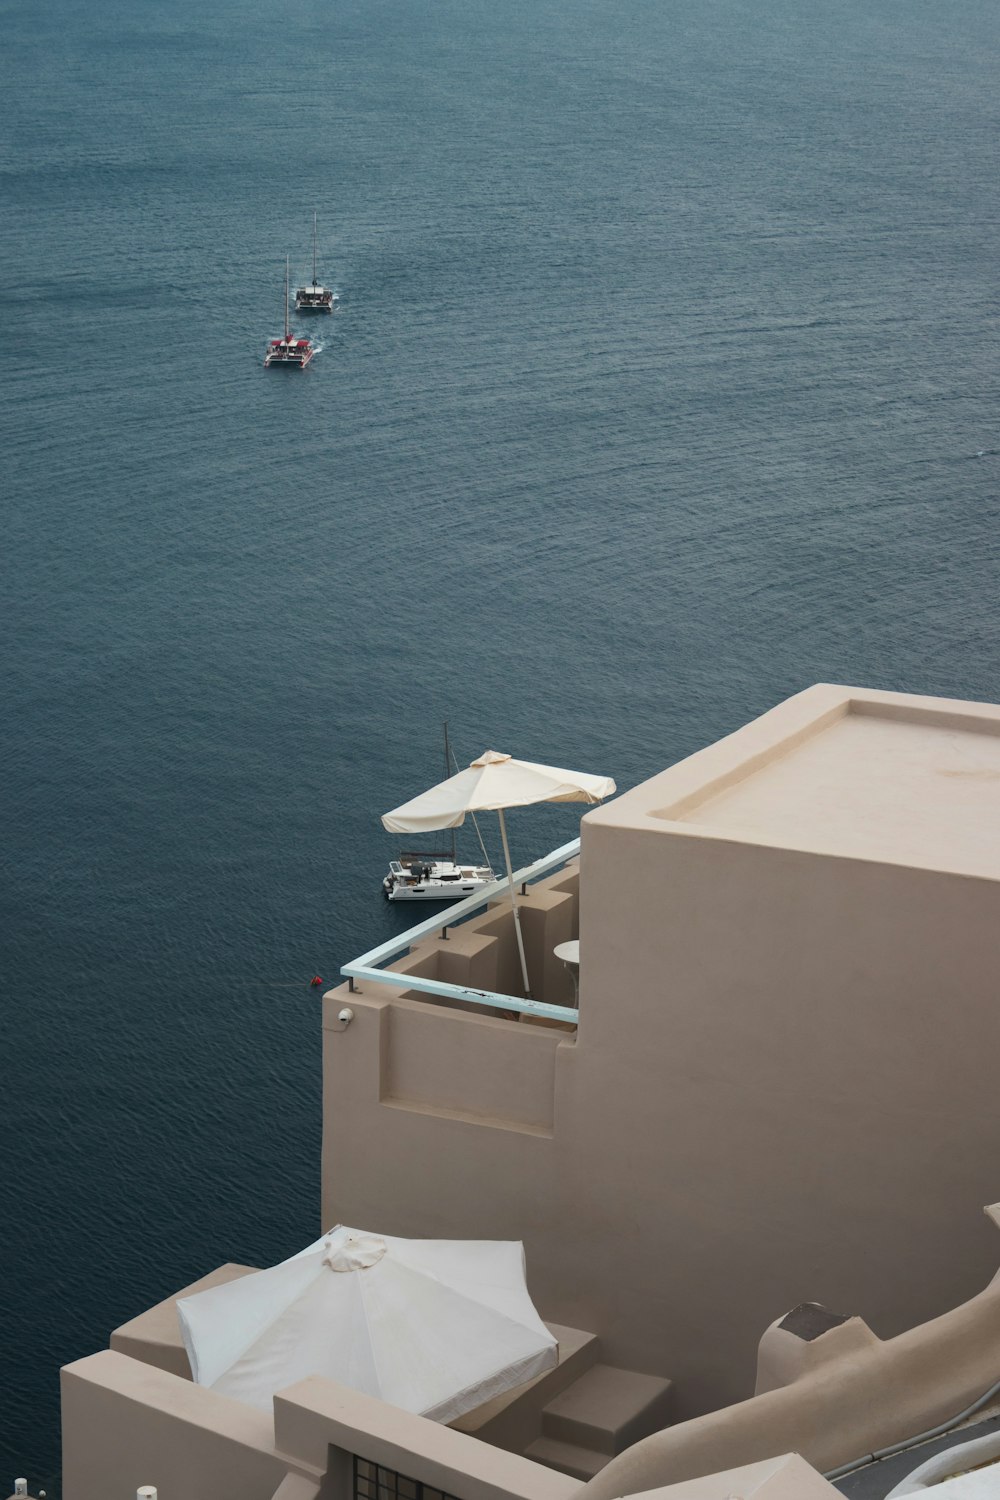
287, 335
314, 248
447, 773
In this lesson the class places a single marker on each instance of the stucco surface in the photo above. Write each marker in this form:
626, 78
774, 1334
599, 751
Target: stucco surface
904, 787
785, 1478
126, 1424
782, 1087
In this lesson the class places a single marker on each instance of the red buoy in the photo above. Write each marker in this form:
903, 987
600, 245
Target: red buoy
316, 980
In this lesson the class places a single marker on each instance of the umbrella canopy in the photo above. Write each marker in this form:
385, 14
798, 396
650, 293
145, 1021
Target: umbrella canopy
433, 1326
492, 783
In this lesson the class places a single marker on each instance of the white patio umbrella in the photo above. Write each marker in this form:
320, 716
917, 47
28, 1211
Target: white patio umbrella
433, 1326
492, 783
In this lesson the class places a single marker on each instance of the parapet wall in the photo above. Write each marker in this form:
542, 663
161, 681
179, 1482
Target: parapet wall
481, 952
127, 1424
440, 1116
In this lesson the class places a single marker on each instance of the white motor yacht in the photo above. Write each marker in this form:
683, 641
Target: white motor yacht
415, 877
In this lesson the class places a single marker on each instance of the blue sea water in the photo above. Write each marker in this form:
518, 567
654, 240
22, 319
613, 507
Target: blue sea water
663, 384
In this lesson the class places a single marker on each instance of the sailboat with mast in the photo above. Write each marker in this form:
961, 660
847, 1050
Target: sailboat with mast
315, 297
288, 352
437, 874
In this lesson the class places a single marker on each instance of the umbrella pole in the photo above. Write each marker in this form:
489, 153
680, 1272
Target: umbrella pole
513, 905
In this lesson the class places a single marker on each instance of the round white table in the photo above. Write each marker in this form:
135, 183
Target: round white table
569, 954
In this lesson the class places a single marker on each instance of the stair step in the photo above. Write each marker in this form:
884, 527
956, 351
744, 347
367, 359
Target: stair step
607, 1410
567, 1458
502, 1421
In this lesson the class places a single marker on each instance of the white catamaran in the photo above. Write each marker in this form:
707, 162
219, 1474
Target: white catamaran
436, 874
288, 352
316, 297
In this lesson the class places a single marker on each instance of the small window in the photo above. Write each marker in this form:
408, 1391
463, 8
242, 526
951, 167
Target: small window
373, 1482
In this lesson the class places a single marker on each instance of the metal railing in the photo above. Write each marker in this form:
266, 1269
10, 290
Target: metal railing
367, 966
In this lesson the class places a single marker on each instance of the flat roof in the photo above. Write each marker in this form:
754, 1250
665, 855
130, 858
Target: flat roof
846, 771
868, 785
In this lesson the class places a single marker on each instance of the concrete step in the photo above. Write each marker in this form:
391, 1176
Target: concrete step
515, 1418
607, 1410
566, 1458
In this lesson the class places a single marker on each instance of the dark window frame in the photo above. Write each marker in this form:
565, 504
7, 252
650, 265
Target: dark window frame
375, 1482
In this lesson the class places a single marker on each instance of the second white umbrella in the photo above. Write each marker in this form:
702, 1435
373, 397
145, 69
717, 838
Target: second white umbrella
432, 1326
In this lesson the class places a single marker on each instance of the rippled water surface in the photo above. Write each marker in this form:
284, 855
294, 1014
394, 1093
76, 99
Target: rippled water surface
663, 384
